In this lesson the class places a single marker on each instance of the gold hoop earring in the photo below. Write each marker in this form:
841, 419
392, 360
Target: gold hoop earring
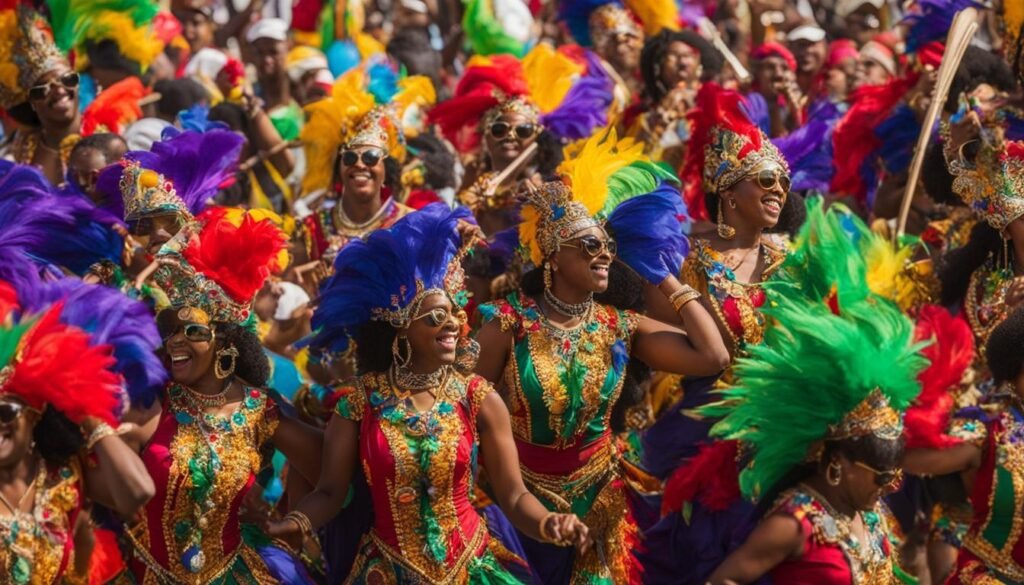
834, 474
396, 352
220, 372
725, 231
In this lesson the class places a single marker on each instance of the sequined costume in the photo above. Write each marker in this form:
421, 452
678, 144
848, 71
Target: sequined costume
328, 230
420, 468
37, 547
993, 549
202, 466
561, 385
831, 552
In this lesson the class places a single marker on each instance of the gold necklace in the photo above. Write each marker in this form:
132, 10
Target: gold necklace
348, 224
207, 400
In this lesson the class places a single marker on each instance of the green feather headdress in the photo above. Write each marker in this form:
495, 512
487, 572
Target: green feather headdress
837, 360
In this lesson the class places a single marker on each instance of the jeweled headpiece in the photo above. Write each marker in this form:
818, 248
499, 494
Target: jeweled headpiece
218, 264
610, 20
873, 416
386, 276
27, 52
993, 183
724, 149
510, 105
147, 192
558, 216
381, 129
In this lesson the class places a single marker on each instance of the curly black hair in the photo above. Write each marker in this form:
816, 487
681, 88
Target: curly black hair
57, 438
373, 347
252, 365
656, 47
938, 183
979, 66
955, 268
106, 55
1003, 348
549, 155
437, 158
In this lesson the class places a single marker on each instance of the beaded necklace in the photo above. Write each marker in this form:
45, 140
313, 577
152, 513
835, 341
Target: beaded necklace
15, 526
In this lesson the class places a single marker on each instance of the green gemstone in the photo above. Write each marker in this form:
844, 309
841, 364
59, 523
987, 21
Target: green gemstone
21, 571
182, 529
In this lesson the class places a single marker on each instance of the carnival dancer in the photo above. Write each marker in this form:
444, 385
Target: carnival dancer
560, 356
353, 183
59, 395
40, 91
201, 441
417, 419
741, 181
817, 486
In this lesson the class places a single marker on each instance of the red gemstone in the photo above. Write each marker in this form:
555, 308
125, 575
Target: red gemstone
213, 437
254, 393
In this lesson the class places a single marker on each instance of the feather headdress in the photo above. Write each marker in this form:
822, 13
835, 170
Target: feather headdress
219, 266
725, 146
27, 51
50, 364
859, 355
607, 180
115, 108
383, 277
83, 26
177, 175
370, 106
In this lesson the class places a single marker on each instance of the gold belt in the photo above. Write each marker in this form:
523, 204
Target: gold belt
468, 554
995, 560
562, 489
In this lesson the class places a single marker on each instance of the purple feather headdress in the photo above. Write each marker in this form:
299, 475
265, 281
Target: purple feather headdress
379, 278
931, 20
178, 175
808, 149
584, 108
68, 232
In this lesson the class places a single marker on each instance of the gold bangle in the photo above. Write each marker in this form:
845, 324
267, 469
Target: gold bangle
102, 431
544, 536
683, 296
302, 521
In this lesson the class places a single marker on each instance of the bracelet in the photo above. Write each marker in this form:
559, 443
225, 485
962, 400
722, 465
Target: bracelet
544, 536
102, 431
683, 296
302, 521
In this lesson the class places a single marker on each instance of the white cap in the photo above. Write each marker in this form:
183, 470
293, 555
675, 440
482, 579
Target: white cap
806, 32
142, 134
267, 28
418, 6
845, 8
206, 64
292, 297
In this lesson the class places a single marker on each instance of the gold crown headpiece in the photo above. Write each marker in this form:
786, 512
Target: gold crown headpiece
723, 164
381, 129
30, 52
510, 105
556, 217
399, 314
610, 20
873, 416
147, 192
993, 184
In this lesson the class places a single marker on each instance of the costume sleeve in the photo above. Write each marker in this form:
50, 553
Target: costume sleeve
351, 403
502, 311
968, 430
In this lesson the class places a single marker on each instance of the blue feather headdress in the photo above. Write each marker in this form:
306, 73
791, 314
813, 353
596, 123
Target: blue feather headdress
178, 175
383, 277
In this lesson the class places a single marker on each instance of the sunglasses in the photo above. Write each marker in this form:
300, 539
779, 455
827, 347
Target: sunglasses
370, 157
768, 179
192, 331
10, 412
500, 130
594, 246
440, 316
891, 479
42, 91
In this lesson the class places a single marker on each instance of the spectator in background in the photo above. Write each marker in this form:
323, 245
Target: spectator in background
268, 40
196, 23
88, 158
809, 47
876, 65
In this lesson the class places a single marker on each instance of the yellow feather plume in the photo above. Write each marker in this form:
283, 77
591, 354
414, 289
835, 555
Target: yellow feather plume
549, 75
136, 43
890, 273
591, 164
655, 15
530, 217
8, 35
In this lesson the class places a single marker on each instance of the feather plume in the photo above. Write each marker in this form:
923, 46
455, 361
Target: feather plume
549, 75
950, 354
710, 477
196, 119
485, 33
649, 230
239, 270
930, 21
585, 107
115, 107
808, 149
656, 15
590, 169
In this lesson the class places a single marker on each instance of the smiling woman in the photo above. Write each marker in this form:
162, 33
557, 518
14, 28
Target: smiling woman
42, 94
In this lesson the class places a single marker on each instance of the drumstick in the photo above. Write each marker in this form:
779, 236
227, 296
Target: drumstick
965, 23
513, 167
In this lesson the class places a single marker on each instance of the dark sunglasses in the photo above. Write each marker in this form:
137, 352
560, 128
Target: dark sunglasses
769, 178
440, 316
891, 479
193, 332
500, 130
370, 157
594, 246
9, 412
42, 91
